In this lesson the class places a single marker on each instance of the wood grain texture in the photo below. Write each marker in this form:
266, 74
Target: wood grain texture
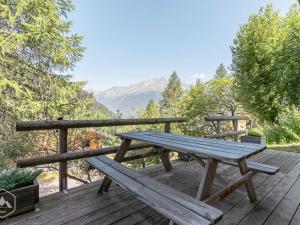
207, 179
68, 156
165, 158
189, 202
199, 146
82, 205
248, 183
63, 166
65, 124
118, 158
257, 167
175, 210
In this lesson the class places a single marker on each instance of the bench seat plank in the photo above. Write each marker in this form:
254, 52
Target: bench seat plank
178, 212
202, 208
257, 167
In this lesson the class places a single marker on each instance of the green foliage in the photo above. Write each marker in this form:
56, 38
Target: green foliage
286, 130
204, 99
16, 178
12, 148
36, 33
172, 97
198, 102
266, 62
221, 92
256, 132
152, 110
36, 44
221, 71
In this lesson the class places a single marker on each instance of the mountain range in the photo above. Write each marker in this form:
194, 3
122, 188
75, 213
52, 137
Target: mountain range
128, 99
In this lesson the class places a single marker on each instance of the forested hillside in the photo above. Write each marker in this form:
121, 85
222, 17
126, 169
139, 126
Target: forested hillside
37, 51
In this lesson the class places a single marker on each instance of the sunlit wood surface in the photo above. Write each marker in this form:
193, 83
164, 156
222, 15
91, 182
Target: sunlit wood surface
278, 198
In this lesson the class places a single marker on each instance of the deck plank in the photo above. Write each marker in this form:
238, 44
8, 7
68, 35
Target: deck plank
296, 217
287, 207
262, 211
276, 194
238, 211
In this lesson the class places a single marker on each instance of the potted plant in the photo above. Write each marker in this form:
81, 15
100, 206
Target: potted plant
23, 186
256, 136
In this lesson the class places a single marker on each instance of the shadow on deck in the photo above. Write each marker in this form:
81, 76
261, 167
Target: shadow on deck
278, 198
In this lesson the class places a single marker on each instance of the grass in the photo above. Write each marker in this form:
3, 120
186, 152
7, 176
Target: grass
48, 176
295, 147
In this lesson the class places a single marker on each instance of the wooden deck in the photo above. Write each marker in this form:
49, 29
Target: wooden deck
278, 198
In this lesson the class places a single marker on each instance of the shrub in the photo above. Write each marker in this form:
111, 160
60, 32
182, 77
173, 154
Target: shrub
16, 178
286, 130
256, 132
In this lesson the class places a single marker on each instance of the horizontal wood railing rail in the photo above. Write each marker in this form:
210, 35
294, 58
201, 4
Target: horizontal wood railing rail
235, 119
224, 118
68, 156
226, 134
63, 156
65, 124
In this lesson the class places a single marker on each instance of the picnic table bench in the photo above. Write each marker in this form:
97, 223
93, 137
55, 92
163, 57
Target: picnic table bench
177, 206
211, 150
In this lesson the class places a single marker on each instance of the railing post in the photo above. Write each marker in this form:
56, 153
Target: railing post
63, 167
235, 127
218, 126
167, 127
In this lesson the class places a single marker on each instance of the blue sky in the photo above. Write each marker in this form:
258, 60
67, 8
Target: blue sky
132, 40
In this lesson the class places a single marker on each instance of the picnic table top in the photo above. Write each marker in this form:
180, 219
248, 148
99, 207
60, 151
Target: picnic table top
206, 147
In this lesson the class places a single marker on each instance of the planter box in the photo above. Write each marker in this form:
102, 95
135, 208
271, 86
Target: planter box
255, 140
27, 198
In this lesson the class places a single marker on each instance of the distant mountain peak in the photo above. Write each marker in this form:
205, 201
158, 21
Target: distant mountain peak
129, 98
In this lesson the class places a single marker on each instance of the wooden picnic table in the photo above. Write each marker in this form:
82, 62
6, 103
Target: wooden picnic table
212, 150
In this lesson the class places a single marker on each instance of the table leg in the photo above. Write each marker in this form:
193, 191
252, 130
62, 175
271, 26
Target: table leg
248, 183
164, 156
202, 164
207, 179
118, 157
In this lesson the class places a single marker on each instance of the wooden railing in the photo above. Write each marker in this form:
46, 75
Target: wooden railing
63, 156
235, 119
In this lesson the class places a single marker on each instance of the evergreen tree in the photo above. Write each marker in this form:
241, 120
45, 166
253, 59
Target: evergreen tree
152, 110
170, 105
221, 71
36, 44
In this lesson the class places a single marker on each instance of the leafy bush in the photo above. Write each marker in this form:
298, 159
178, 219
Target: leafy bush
286, 130
16, 178
256, 132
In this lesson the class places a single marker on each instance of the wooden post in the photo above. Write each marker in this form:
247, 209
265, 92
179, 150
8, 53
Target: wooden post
250, 122
218, 126
167, 127
248, 183
63, 167
165, 158
207, 179
235, 127
166, 154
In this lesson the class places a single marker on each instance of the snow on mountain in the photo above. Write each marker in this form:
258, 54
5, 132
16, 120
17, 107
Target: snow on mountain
128, 99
